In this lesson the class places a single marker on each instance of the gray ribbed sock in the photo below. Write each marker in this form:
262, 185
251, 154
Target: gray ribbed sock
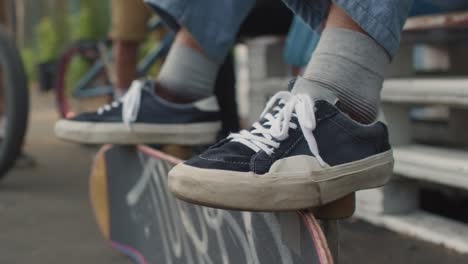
351, 65
188, 74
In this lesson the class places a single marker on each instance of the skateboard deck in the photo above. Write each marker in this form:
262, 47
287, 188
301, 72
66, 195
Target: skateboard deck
140, 217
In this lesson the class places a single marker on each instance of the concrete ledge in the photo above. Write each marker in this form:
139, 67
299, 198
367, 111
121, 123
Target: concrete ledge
399, 196
425, 226
439, 21
446, 91
434, 164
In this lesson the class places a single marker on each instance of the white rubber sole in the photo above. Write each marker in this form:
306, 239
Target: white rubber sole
278, 191
119, 133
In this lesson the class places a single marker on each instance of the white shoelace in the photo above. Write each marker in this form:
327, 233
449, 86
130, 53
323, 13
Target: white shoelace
130, 103
263, 138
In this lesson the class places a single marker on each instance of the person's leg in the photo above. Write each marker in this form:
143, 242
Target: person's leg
205, 36
125, 57
225, 91
188, 73
350, 63
310, 146
180, 107
358, 40
382, 20
128, 22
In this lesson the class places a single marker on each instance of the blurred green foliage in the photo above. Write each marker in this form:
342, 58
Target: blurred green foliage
48, 43
150, 44
27, 56
77, 68
91, 22
60, 28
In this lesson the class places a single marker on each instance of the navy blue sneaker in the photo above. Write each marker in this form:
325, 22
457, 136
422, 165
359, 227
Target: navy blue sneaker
140, 116
303, 152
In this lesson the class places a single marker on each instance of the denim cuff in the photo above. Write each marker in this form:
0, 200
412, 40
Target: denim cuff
385, 29
213, 24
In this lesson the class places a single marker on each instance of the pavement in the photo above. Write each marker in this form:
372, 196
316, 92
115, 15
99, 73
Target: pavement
45, 216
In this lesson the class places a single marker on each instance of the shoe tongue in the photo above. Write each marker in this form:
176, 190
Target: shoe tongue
304, 86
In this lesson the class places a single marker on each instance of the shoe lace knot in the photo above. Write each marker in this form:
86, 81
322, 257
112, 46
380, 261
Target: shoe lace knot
277, 120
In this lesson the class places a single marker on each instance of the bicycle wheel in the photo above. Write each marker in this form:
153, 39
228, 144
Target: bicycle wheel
81, 82
14, 103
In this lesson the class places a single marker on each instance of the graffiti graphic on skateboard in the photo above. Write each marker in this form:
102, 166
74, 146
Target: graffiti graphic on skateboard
138, 215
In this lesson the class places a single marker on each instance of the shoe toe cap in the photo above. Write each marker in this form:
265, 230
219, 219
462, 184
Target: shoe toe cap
225, 157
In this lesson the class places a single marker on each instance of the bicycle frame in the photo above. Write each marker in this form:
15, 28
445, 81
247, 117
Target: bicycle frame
83, 89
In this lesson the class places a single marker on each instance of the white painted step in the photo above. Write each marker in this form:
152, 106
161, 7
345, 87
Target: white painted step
424, 226
439, 21
433, 164
445, 91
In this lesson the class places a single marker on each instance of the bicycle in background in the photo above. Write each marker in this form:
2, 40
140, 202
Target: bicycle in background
97, 81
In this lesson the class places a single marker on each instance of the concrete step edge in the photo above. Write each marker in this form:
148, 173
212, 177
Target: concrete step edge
424, 226
446, 91
434, 164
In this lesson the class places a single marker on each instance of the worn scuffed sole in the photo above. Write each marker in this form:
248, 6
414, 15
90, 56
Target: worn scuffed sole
119, 133
278, 192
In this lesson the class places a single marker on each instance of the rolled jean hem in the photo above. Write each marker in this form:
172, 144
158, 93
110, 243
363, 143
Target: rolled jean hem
388, 39
175, 18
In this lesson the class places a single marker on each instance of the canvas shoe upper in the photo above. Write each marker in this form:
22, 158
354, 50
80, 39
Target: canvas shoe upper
303, 152
140, 116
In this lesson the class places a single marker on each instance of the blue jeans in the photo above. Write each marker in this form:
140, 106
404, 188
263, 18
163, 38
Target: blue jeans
301, 40
214, 23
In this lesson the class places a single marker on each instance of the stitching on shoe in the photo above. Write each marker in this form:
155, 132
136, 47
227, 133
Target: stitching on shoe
328, 116
253, 163
349, 133
292, 146
232, 162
